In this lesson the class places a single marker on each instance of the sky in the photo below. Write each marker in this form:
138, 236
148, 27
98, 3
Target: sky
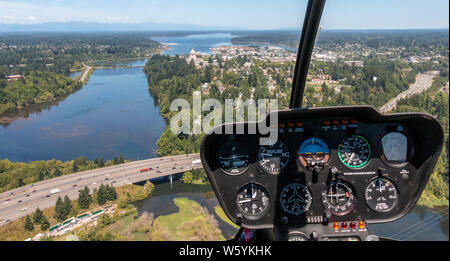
246, 14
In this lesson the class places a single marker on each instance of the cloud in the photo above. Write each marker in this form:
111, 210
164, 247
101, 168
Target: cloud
9, 17
31, 18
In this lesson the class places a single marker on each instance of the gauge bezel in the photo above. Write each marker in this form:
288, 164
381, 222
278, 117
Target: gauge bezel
245, 169
258, 159
409, 153
252, 217
327, 156
365, 163
396, 201
306, 209
355, 201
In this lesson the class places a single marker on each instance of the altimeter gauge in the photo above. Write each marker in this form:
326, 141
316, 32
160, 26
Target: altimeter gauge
252, 200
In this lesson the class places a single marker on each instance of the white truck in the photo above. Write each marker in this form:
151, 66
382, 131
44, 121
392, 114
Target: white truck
197, 161
53, 191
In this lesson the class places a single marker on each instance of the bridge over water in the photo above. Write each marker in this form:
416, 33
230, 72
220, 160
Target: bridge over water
22, 201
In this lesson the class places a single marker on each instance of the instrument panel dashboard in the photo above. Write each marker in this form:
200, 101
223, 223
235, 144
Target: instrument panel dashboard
326, 165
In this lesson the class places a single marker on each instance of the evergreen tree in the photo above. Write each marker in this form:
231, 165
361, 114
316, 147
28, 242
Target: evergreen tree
28, 224
96, 161
59, 211
67, 206
121, 159
101, 195
115, 160
44, 224
38, 216
84, 199
102, 162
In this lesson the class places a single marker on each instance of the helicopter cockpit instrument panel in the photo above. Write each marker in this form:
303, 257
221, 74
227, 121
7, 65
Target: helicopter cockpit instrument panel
329, 173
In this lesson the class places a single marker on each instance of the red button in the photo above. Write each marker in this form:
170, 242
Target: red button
352, 224
344, 225
344, 122
353, 121
335, 122
300, 124
281, 125
291, 124
326, 123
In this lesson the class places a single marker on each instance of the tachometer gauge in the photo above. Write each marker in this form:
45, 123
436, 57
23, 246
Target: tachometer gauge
295, 199
252, 200
233, 158
273, 158
312, 152
354, 151
338, 197
381, 195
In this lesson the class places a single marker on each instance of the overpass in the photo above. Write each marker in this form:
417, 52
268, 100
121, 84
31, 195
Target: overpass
22, 201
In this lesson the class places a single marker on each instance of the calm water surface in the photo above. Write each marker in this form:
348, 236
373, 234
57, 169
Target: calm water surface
199, 42
114, 113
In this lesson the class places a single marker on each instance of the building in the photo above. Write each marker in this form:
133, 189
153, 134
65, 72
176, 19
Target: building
13, 77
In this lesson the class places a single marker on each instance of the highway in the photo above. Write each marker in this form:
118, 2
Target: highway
422, 83
21, 201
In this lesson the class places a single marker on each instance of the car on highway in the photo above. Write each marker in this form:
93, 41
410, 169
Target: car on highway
27, 195
174, 167
157, 167
34, 190
74, 185
79, 178
93, 183
23, 209
6, 200
107, 174
114, 181
106, 179
47, 196
12, 193
20, 201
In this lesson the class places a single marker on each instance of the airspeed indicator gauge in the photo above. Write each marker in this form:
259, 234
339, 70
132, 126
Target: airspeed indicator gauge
273, 158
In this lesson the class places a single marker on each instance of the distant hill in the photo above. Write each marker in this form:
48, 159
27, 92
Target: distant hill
105, 27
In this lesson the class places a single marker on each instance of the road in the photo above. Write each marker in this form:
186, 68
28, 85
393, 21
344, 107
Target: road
85, 73
422, 83
38, 195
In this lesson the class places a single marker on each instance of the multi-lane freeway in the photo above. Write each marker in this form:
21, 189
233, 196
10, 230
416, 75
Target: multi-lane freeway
422, 83
21, 201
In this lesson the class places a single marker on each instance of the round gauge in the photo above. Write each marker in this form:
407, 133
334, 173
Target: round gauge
381, 195
339, 198
395, 147
252, 200
233, 158
273, 158
295, 199
354, 151
312, 152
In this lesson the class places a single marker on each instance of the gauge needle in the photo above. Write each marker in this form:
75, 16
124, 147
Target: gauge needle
254, 195
351, 157
243, 201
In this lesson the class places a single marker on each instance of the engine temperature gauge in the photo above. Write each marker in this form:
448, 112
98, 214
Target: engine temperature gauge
338, 197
